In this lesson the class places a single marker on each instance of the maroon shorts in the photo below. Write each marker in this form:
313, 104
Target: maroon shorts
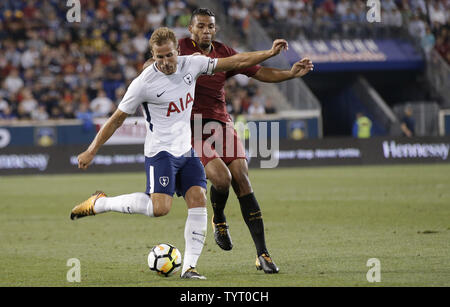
217, 140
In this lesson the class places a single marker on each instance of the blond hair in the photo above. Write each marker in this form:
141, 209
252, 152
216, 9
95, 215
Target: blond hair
162, 35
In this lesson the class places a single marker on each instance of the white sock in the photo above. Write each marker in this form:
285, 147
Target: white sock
194, 235
129, 203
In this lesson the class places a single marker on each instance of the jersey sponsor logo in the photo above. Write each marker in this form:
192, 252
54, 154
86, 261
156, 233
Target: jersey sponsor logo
188, 79
164, 181
182, 105
159, 95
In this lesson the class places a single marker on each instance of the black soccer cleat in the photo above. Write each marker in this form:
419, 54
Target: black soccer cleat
192, 273
264, 262
222, 235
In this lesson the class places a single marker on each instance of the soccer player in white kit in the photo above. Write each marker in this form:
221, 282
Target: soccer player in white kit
165, 91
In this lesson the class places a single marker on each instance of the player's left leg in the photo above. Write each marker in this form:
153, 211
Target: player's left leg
251, 212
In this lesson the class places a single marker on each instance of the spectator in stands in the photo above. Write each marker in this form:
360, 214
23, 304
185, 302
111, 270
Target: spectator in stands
42, 52
281, 8
4, 105
348, 20
394, 20
408, 123
27, 103
388, 5
256, 109
269, 108
14, 82
68, 111
114, 78
329, 6
437, 13
416, 27
102, 105
428, 41
258, 98
362, 127
175, 7
238, 13
40, 113
86, 116
245, 100
342, 8
7, 114
418, 7
140, 42
156, 17
237, 109
442, 45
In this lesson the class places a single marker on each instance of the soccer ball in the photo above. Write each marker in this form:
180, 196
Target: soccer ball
164, 259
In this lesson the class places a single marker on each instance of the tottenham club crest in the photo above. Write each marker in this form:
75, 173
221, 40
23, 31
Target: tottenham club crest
164, 181
188, 79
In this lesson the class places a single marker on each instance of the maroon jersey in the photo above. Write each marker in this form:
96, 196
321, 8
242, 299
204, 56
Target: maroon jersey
209, 100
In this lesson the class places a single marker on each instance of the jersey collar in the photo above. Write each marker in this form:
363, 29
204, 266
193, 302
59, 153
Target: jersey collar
194, 43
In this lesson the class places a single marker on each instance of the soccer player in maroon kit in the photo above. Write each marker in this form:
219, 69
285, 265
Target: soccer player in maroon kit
222, 169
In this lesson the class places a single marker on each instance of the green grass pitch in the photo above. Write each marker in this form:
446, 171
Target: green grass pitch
322, 225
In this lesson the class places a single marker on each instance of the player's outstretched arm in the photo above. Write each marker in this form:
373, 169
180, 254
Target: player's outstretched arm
247, 59
299, 69
115, 121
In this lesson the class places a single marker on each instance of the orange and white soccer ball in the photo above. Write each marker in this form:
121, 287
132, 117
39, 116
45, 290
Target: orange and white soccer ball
164, 259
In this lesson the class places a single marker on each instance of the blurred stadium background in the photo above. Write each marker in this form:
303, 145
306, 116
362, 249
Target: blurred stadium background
60, 80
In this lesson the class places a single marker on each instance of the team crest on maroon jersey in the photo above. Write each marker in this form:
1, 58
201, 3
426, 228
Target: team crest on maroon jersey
188, 79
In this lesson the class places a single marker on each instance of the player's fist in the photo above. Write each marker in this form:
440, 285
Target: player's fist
279, 45
84, 159
302, 67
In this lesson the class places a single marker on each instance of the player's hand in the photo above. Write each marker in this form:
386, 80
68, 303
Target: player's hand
278, 46
84, 159
302, 67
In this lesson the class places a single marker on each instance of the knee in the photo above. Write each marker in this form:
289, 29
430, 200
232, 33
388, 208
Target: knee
160, 211
196, 197
161, 207
222, 182
243, 183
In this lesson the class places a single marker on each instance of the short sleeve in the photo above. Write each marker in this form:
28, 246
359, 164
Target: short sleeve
132, 98
203, 65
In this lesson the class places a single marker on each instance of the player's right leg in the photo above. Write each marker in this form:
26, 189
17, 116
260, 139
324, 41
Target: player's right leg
191, 184
194, 231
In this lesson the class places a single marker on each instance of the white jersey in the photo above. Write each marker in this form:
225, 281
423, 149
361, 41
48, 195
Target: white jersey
167, 103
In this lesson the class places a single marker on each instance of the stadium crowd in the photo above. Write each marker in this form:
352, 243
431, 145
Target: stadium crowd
295, 19
51, 68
